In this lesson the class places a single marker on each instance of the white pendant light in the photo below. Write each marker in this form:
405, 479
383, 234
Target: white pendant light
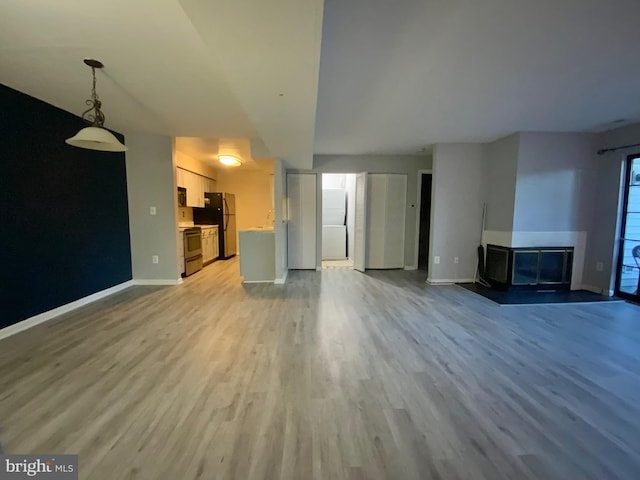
95, 137
230, 160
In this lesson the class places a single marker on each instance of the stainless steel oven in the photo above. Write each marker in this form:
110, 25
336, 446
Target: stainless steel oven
192, 250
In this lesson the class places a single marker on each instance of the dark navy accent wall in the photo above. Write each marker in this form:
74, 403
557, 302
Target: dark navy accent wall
64, 217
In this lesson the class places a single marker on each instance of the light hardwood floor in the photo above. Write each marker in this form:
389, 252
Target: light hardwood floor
334, 375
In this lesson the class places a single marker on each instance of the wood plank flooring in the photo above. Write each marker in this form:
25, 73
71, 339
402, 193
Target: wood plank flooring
335, 375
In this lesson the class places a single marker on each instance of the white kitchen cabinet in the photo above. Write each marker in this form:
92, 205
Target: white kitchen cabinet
204, 187
180, 177
215, 240
195, 192
196, 185
207, 245
386, 210
301, 193
199, 185
192, 194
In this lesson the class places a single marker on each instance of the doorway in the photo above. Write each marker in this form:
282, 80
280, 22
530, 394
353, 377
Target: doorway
425, 221
338, 220
628, 271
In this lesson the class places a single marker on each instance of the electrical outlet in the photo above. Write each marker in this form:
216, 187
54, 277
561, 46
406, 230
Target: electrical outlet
155, 259
152, 210
600, 266
436, 260
456, 260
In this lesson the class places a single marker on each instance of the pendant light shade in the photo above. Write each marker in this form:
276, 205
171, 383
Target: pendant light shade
96, 138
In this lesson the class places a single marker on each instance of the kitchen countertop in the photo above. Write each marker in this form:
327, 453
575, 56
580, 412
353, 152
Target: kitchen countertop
257, 229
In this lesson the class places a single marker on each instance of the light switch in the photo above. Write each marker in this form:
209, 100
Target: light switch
152, 210
436, 260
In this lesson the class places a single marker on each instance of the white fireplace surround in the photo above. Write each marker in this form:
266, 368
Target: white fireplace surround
577, 240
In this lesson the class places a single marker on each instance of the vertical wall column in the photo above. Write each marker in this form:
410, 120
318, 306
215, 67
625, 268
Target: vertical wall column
153, 209
456, 211
280, 219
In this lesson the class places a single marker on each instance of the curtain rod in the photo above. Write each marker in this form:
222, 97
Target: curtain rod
607, 150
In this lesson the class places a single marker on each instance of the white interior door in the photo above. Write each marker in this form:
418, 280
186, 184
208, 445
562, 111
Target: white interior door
360, 234
386, 196
395, 221
301, 236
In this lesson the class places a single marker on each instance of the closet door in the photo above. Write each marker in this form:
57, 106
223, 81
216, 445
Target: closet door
395, 221
386, 205
301, 236
376, 220
360, 234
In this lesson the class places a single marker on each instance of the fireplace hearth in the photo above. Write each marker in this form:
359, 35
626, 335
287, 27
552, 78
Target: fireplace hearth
533, 268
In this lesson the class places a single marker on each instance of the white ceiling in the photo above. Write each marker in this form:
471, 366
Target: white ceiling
207, 151
396, 76
196, 68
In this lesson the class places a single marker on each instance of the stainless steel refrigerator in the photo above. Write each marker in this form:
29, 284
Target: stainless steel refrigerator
220, 209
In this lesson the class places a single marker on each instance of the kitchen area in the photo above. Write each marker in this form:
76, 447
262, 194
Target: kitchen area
225, 208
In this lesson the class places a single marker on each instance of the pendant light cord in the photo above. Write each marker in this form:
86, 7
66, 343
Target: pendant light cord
96, 119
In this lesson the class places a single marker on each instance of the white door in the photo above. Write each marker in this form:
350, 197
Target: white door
301, 237
360, 234
386, 200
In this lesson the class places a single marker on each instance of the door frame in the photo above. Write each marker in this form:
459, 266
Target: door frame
622, 230
418, 208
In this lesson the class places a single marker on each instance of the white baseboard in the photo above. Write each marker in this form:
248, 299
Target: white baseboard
410, 267
56, 312
448, 281
283, 280
157, 281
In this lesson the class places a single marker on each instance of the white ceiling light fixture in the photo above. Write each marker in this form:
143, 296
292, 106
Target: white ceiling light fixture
95, 137
230, 160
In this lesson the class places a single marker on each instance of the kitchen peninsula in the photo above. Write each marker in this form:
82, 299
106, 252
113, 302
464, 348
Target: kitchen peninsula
257, 255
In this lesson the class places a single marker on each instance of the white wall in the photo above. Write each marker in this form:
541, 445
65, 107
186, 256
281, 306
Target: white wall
456, 211
604, 228
254, 195
500, 173
151, 182
406, 164
555, 181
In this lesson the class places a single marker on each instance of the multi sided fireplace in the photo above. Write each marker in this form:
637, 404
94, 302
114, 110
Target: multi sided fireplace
536, 268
